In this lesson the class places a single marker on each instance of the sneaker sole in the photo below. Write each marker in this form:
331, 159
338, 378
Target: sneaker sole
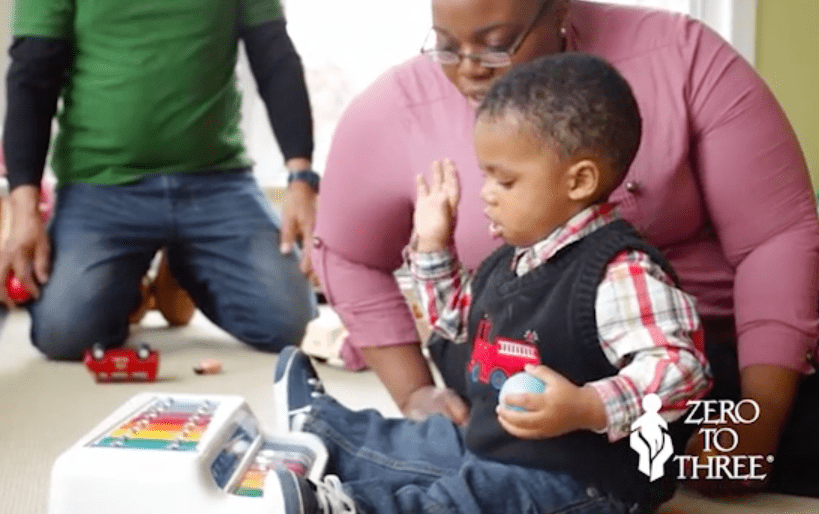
281, 392
276, 496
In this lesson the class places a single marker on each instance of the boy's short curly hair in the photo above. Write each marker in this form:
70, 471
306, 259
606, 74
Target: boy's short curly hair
577, 103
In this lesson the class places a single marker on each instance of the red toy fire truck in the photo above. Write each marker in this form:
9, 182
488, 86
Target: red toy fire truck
122, 364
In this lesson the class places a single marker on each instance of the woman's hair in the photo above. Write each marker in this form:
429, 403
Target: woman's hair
577, 103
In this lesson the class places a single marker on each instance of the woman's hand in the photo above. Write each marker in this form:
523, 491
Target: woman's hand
759, 439
751, 442
561, 408
435, 207
429, 400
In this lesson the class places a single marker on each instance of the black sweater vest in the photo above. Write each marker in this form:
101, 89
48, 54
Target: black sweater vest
548, 316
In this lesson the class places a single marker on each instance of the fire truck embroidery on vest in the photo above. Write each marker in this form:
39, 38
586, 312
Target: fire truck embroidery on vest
494, 361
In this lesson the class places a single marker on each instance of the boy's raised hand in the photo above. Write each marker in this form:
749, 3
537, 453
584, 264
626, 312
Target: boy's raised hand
436, 206
561, 408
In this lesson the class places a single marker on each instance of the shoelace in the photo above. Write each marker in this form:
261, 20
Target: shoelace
299, 416
318, 387
332, 498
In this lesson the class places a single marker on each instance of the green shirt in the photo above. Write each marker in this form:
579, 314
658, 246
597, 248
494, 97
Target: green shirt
151, 88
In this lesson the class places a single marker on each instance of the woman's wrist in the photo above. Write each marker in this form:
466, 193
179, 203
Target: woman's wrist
773, 403
402, 369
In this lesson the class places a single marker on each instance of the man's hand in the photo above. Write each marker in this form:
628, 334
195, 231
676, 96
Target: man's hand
561, 408
435, 207
27, 251
429, 400
298, 222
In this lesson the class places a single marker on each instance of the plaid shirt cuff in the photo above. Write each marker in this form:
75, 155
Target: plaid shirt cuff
432, 265
621, 404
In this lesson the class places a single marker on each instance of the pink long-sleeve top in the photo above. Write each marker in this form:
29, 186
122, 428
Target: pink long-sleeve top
719, 184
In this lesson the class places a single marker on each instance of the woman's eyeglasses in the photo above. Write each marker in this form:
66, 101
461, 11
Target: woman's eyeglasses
493, 58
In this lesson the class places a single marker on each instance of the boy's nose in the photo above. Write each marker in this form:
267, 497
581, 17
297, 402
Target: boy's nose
486, 195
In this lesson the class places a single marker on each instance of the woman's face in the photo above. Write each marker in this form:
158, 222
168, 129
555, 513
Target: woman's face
475, 26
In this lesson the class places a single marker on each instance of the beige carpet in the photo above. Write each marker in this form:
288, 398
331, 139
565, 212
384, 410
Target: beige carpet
45, 407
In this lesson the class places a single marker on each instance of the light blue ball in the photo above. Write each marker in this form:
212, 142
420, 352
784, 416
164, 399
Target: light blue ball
521, 383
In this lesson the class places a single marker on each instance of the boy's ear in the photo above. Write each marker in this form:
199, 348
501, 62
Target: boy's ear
584, 180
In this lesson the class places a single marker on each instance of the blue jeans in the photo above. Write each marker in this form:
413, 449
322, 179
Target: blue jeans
222, 239
391, 466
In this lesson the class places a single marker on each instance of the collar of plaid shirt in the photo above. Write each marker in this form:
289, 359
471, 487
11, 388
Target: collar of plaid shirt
577, 227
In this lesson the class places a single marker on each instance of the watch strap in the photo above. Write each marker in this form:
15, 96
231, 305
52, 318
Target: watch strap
308, 176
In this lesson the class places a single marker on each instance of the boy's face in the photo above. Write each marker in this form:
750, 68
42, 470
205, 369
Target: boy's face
526, 187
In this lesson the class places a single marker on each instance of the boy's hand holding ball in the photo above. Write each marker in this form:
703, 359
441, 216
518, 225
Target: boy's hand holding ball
521, 382
541, 403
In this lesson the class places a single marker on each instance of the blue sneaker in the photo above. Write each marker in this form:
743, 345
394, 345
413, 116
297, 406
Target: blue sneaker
288, 493
295, 386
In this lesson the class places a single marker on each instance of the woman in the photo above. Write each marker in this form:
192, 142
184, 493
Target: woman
719, 185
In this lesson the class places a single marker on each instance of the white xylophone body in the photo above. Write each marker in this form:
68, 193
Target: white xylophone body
174, 454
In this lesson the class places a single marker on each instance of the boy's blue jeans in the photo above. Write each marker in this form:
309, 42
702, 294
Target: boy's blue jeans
391, 466
222, 239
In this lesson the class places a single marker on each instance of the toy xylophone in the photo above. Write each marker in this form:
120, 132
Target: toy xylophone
174, 453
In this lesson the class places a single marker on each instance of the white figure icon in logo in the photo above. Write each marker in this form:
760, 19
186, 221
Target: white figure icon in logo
650, 439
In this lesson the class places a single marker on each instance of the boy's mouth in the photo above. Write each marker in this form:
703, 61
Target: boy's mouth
494, 229
475, 99
475, 96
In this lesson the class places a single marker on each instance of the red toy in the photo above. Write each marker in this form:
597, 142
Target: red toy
15, 289
122, 364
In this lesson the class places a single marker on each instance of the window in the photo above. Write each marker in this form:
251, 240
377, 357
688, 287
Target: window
358, 40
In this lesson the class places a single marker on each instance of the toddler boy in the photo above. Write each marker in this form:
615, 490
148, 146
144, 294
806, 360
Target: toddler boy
575, 297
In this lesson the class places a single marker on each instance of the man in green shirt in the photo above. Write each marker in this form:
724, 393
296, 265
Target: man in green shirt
149, 154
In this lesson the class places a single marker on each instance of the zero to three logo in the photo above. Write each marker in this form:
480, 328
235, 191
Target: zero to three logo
650, 439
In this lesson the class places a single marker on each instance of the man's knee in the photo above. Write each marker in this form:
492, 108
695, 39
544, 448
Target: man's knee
280, 335
56, 338
63, 334
274, 331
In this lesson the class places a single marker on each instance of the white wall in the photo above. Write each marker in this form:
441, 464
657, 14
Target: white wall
344, 46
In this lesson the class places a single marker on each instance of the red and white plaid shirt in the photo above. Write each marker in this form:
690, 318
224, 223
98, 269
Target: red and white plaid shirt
647, 326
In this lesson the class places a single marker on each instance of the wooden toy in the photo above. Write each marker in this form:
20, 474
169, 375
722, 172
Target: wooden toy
172, 453
208, 367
